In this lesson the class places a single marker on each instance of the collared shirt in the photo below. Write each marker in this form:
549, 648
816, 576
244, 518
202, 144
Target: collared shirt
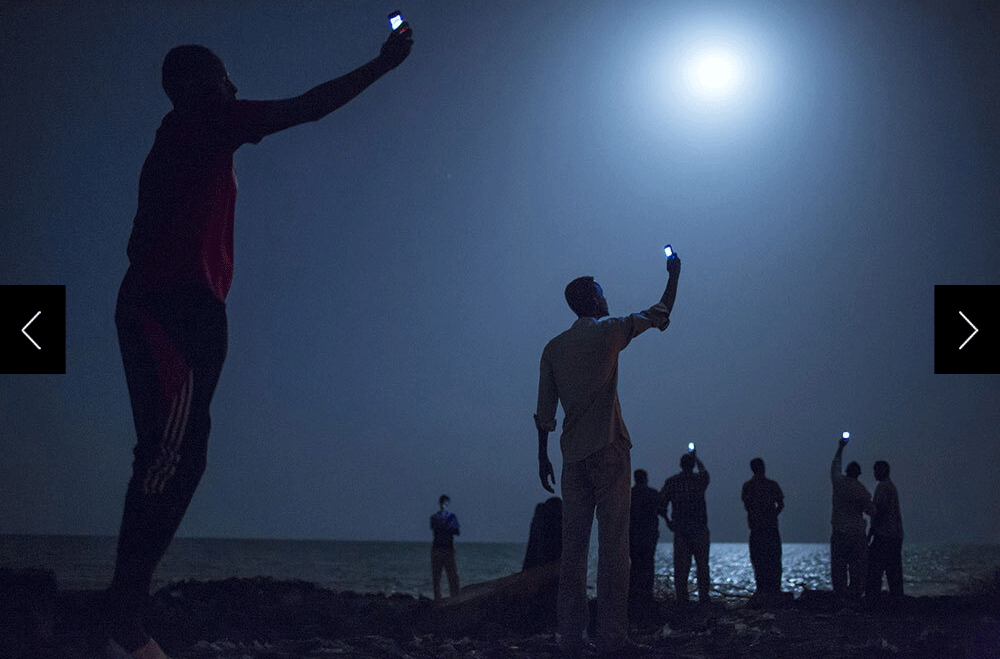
580, 368
850, 500
763, 500
887, 521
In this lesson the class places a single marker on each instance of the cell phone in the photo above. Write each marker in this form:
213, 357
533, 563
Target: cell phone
690, 444
395, 20
846, 436
668, 251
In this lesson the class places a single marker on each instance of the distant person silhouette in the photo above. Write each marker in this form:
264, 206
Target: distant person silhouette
683, 494
545, 534
643, 534
171, 312
885, 554
848, 542
579, 367
444, 524
764, 501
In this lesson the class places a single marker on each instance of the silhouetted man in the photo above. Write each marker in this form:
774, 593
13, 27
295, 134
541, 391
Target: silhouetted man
643, 533
848, 544
579, 367
684, 493
444, 524
171, 312
885, 555
764, 501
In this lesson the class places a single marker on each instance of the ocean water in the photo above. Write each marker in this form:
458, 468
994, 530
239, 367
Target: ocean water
86, 562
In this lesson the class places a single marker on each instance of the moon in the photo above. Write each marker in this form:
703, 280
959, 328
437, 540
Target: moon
715, 73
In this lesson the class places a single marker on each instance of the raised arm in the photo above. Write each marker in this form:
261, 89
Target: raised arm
323, 99
835, 467
670, 292
700, 467
658, 315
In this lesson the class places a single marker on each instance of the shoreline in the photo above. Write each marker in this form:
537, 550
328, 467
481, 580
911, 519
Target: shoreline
263, 618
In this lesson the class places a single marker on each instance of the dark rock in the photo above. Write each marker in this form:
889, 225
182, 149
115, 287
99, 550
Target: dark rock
27, 611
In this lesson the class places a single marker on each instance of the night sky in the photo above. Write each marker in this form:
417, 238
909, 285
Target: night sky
400, 264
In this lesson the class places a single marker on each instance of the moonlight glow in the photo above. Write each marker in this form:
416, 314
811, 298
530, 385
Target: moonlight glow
715, 73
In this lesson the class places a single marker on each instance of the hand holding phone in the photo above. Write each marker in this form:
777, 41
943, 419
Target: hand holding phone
673, 261
397, 24
400, 41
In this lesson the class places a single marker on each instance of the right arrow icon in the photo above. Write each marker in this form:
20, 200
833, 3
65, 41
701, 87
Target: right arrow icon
975, 330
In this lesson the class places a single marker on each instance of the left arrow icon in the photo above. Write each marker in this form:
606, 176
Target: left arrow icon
24, 329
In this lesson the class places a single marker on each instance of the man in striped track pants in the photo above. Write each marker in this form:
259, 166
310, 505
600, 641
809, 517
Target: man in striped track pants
171, 311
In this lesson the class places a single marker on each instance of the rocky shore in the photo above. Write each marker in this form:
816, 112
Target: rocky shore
266, 619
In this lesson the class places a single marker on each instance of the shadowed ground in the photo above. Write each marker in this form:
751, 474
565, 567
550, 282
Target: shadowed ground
263, 618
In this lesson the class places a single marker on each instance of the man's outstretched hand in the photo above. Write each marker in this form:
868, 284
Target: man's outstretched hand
397, 46
546, 474
674, 265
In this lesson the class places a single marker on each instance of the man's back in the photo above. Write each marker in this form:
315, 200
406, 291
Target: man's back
644, 522
686, 492
850, 500
761, 498
887, 521
579, 368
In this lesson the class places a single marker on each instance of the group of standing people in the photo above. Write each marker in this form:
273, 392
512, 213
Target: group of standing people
173, 332
579, 370
860, 554
681, 503
859, 559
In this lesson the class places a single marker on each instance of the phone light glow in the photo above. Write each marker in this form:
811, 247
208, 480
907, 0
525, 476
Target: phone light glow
395, 21
690, 446
846, 435
668, 251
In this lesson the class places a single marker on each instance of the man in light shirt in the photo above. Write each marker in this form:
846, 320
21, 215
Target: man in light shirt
579, 367
848, 544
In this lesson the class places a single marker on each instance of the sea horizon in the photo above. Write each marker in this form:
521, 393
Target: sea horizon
403, 566
464, 541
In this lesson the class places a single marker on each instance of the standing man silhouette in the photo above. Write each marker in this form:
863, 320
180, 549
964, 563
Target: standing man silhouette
764, 501
171, 311
848, 543
685, 493
445, 527
579, 367
885, 554
643, 534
